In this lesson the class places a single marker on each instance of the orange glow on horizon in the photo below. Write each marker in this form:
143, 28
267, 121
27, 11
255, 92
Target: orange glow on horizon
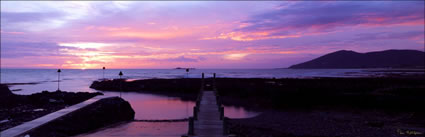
90, 35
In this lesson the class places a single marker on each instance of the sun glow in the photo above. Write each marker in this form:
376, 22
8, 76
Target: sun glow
236, 56
85, 45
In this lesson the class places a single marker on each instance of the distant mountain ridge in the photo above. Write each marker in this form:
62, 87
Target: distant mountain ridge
378, 59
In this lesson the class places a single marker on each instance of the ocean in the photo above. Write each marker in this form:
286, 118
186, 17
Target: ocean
151, 106
77, 80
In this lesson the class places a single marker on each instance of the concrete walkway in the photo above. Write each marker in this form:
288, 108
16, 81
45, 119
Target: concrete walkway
20, 130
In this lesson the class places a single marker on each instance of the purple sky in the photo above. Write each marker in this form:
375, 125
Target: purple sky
200, 34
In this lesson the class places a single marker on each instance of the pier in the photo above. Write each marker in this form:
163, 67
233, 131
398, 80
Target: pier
208, 114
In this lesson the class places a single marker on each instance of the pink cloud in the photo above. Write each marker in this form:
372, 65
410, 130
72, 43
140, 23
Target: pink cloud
206, 34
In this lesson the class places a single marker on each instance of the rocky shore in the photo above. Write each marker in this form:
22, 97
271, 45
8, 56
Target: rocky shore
17, 109
328, 123
186, 89
383, 93
312, 107
328, 107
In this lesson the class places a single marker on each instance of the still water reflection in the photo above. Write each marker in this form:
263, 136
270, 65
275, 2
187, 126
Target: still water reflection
156, 107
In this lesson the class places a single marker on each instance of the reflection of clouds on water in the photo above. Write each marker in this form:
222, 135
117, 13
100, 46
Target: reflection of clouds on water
154, 107
157, 107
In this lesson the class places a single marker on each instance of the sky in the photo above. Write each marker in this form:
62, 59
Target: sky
200, 34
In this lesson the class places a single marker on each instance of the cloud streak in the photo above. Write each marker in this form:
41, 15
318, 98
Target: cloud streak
200, 34
310, 18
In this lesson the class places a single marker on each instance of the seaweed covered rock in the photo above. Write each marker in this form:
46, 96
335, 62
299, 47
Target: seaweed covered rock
185, 89
5, 93
7, 98
17, 109
113, 85
102, 113
60, 97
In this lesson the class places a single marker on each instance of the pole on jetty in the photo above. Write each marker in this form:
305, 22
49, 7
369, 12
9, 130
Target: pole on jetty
195, 112
59, 75
221, 109
191, 126
120, 82
202, 82
214, 87
186, 85
224, 126
103, 73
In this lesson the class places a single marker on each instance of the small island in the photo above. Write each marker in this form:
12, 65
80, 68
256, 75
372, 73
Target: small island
183, 68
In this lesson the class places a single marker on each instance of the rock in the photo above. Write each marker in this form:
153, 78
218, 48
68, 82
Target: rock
100, 114
5, 92
22, 108
52, 100
16, 90
186, 89
38, 109
4, 121
7, 98
115, 84
60, 97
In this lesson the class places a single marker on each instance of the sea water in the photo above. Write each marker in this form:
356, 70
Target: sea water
76, 80
150, 106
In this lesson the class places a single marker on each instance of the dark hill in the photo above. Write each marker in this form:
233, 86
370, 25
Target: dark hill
379, 59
